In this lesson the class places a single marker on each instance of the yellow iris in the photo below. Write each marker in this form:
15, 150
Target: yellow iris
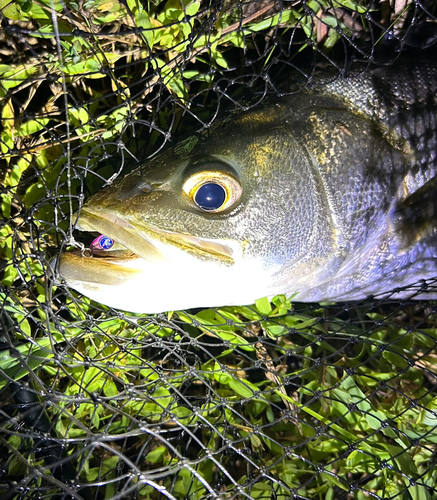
232, 188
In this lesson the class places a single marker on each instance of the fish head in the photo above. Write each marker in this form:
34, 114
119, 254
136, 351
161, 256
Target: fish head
212, 221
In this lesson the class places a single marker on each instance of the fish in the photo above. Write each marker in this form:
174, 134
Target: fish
328, 194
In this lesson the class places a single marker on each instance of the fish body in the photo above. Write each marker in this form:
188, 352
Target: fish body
330, 193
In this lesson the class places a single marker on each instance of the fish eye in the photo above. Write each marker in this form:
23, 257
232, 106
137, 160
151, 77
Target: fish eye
213, 191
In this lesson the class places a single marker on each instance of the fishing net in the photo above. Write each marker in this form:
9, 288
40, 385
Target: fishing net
276, 400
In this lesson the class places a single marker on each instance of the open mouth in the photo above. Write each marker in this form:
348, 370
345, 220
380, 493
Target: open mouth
146, 242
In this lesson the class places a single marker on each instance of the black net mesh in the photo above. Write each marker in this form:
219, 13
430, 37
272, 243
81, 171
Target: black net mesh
276, 400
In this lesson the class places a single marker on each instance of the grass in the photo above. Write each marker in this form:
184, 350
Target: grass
276, 399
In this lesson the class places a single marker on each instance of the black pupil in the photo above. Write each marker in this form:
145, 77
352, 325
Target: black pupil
210, 196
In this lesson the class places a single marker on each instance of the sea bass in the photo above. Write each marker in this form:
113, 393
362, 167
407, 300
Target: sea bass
330, 193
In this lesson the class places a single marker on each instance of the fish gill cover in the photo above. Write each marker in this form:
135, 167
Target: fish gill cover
276, 400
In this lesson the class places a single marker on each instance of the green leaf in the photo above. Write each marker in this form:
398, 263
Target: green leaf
336, 481
395, 359
25, 5
350, 4
218, 57
31, 127
263, 305
143, 21
12, 76
406, 465
156, 455
243, 387
192, 8
283, 305
10, 274
354, 458
81, 67
13, 367
234, 339
12, 10
108, 465
221, 376
93, 65
429, 419
332, 38
109, 388
351, 393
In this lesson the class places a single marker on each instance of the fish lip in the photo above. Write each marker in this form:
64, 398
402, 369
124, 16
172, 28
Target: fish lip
195, 244
83, 223
149, 237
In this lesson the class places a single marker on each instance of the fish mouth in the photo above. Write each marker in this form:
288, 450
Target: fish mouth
146, 242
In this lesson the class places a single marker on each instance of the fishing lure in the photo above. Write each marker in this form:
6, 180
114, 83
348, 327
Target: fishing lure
102, 242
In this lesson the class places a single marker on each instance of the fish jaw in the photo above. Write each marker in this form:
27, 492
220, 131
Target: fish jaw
182, 282
144, 239
165, 271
